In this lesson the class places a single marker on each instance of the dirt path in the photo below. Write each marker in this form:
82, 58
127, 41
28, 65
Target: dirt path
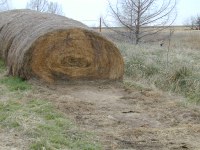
128, 119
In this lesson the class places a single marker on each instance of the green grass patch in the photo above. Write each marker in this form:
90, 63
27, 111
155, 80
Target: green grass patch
7, 110
15, 83
47, 128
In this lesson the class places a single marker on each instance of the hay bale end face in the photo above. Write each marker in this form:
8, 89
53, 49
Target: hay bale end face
52, 47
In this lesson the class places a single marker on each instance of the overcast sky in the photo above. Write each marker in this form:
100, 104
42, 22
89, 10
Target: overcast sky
88, 11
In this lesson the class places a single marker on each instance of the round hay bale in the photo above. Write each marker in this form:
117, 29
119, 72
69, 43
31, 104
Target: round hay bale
53, 47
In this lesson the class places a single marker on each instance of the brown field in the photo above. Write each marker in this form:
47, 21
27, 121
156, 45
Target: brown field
182, 37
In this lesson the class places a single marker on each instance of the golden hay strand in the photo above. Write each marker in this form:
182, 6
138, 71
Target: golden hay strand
52, 47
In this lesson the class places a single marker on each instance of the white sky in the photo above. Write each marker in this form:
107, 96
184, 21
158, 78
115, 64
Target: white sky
91, 10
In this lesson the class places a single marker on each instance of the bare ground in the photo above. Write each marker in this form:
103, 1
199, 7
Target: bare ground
127, 118
121, 118
10, 140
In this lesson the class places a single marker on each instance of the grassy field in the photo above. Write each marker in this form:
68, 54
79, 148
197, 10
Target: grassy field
174, 67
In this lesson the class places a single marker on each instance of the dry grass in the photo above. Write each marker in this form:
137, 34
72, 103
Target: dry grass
187, 39
176, 69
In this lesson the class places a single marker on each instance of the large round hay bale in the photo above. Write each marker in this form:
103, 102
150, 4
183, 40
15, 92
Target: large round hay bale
53, 47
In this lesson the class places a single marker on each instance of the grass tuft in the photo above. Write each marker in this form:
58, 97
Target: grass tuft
15, 84
136, 67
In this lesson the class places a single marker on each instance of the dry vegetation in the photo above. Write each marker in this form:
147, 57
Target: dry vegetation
53, 47
137, 114
173, 67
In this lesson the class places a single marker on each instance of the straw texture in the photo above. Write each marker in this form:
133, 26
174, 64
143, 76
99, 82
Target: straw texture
53, 47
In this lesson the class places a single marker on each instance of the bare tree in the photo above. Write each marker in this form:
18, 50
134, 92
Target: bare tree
55, 8
38, 5
198, 22
143, 17
3, 5
45, 6
3, 2
193, 22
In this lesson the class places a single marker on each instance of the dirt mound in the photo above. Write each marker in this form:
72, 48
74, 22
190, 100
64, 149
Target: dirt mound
53, 47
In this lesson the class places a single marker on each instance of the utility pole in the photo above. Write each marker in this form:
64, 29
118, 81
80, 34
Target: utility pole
100, 24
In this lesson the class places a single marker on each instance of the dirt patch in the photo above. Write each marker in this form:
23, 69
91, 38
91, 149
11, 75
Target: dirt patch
12, 141
127, 119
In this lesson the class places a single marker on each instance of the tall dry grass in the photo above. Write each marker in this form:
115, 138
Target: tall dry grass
148, 64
